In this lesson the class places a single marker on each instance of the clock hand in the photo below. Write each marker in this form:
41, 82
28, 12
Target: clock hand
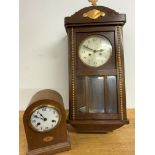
40, 114
45, 119
38, 117
101, 50
90, 49
87, 47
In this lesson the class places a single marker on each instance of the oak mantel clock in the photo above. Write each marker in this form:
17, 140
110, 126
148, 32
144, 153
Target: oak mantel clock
97, 101
45, 124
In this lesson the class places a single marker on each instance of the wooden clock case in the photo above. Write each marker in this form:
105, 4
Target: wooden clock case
53, 141
79, 27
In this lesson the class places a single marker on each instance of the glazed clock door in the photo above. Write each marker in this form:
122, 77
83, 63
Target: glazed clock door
97, 101
96, 75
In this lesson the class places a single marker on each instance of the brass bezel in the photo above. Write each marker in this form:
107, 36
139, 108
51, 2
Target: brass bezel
102, 36
50, 106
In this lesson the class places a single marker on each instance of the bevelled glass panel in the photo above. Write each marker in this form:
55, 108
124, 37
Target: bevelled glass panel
90, 94
112, 101
96, 94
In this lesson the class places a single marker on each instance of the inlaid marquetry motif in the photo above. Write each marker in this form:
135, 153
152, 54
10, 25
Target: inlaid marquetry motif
94, 14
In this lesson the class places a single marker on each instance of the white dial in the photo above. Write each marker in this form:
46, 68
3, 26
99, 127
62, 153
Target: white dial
95, 51
45, 118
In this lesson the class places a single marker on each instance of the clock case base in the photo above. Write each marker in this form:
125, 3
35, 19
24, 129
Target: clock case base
96, 126
51, 149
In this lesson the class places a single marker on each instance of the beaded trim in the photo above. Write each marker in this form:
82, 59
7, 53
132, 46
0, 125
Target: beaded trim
73, 75
120, 71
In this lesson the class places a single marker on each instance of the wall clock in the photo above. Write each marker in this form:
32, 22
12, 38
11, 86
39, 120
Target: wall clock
45, 124
97, 101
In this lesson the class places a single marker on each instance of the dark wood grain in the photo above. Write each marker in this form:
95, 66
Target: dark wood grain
36, 140
111, 18
79, 28
107, 72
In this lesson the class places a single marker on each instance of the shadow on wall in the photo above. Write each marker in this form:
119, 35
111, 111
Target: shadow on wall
59, 54
59, 49
48, 69
52, 56
47, 64
54, 50
59, 57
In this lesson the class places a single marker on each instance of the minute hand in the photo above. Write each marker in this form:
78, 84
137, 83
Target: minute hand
41, 115
38, 117
88, 48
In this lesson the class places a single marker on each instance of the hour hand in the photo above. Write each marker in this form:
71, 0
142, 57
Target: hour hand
35, 116
101, 50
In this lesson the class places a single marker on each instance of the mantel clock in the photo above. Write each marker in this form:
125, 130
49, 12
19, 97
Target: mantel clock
45, 124
97, 101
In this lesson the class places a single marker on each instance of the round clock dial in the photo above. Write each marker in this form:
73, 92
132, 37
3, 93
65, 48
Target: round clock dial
95, 51
45, 118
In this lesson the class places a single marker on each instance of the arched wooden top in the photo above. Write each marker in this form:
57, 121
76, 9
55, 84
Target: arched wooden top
47, 94
95, 15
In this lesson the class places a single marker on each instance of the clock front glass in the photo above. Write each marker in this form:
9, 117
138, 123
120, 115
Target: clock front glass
95, 51
45, 118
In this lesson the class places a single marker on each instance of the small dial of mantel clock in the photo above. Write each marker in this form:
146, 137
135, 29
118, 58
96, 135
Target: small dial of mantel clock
45, 118
97, 100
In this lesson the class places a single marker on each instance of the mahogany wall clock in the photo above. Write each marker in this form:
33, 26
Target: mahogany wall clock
45, 124
97, 101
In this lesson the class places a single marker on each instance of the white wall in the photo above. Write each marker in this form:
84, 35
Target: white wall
43, 46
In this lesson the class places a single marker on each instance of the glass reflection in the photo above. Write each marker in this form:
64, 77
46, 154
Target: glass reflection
112, 101
96, 94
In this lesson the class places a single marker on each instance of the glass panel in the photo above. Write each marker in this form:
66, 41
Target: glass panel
93, 96
96, 94
112, 101
90, 94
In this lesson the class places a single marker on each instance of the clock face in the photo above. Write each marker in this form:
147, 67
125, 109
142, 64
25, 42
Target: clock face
45, 118
95, 51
